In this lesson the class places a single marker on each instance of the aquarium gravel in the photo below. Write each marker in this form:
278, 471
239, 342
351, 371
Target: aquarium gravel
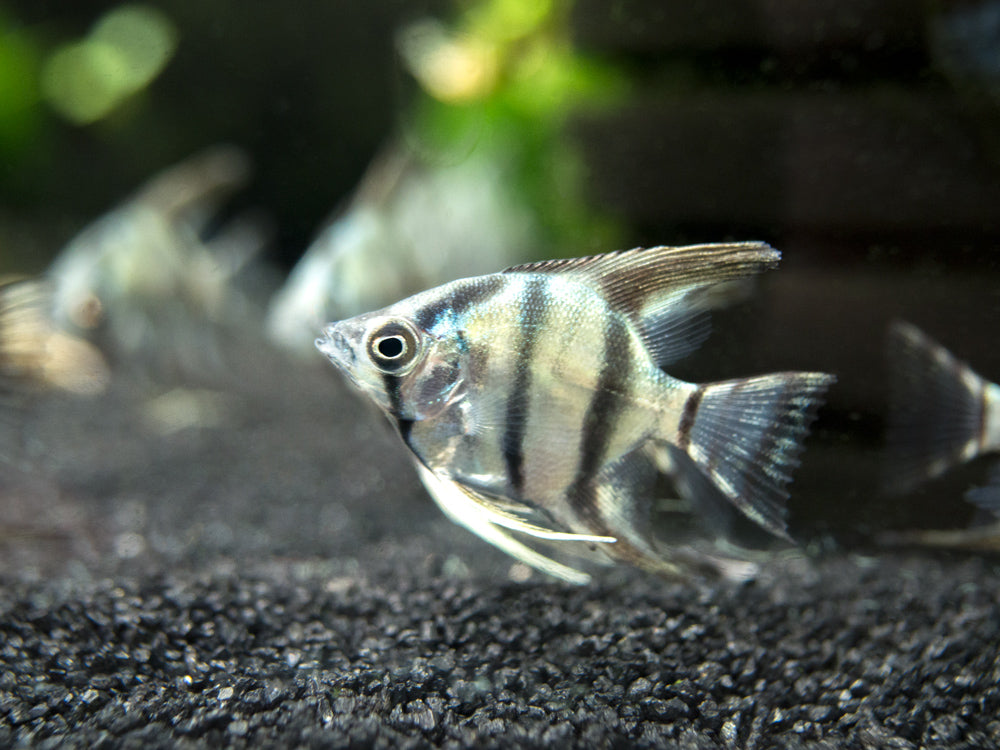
848, 653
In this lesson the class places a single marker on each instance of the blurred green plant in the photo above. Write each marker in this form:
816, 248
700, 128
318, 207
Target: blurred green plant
504, 77
125, 50
20, 110
83, 80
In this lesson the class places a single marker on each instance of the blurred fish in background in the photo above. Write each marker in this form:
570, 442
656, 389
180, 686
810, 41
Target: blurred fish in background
410, 225
942, 414
37, 354
152, 282
38, 357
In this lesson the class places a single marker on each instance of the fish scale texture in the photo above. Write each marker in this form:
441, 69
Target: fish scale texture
276, 577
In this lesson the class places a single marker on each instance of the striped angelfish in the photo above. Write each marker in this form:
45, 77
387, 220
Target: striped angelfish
941, 414
537, 408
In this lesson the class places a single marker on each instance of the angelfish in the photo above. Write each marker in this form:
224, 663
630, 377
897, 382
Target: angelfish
537, 409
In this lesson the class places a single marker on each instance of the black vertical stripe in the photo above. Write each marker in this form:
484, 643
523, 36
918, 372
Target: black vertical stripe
687, 418
534, 305
602, 413
392, 384
463, 296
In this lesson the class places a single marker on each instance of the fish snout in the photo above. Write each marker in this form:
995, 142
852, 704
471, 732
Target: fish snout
336, 346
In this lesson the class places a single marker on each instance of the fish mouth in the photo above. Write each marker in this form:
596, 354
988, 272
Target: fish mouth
336, 347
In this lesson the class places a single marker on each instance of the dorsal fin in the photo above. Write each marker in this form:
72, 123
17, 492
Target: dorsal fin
667, 291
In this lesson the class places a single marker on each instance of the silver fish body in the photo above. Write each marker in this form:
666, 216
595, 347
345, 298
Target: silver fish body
535, 401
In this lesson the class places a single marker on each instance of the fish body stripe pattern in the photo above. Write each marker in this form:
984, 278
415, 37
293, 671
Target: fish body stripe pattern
599, 422
457, 299
531, 316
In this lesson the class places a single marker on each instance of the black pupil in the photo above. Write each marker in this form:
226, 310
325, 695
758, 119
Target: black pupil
390, 347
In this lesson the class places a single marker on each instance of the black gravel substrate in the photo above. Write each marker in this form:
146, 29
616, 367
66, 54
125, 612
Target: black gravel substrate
899, 653
274, 577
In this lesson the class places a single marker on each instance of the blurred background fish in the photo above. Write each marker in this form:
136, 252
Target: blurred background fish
38, 359
942, 414
152, 282
413, 223
37, 354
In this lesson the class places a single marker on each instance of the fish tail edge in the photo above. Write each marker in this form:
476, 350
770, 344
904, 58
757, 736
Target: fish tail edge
937, 407
746, 435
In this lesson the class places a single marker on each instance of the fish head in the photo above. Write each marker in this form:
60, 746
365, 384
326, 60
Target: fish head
409, 372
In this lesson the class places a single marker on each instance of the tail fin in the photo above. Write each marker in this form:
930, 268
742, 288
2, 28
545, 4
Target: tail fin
936, 409
746, 435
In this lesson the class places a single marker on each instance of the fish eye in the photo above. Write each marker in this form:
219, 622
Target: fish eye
393, 345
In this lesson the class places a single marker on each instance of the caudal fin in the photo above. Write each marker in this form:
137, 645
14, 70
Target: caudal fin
746, 436
936, 409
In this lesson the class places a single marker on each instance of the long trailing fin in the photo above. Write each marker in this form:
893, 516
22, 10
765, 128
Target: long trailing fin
746, 436
510, 516
667, 291
457, 504
937, 406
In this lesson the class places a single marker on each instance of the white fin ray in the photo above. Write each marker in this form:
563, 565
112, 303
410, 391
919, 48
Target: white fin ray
746, 435
461, 506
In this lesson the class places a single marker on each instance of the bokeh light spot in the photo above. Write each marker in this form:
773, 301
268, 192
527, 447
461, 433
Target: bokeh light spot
127, 48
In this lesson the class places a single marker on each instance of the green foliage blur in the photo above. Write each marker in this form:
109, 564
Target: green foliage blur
497, 75
21, 114
80, 80
504, 77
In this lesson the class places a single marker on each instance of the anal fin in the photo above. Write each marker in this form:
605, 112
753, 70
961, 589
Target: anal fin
620, 500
